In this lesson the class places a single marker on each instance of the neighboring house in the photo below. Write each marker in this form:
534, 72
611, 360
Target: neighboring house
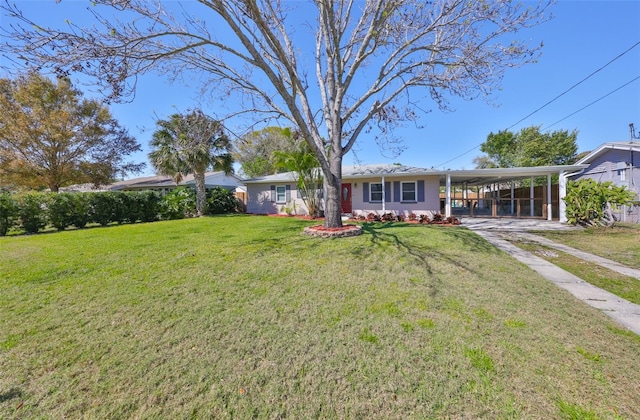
164, 184
618, 163
404, 189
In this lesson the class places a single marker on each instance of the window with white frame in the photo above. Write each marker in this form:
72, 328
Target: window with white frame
409, 191
281, 194
622, 173
375, 192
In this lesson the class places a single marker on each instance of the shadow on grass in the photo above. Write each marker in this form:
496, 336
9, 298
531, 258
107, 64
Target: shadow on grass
381, 235
10, 394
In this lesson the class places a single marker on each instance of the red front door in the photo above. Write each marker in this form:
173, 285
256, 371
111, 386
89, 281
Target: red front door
345, 202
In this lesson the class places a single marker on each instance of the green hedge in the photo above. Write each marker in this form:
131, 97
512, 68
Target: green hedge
33, 211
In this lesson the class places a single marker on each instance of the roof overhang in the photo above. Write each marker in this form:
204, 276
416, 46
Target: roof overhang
635, 147
474, 177
469, 177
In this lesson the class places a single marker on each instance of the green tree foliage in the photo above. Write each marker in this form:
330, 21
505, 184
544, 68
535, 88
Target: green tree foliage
304, 163
51, 137
191, 143
529, 147
255, 151
590, 203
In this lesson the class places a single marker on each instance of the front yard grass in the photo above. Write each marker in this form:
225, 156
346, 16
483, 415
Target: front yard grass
619, 243
245, 317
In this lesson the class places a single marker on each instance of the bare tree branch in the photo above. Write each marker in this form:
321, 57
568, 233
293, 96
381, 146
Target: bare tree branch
369, 55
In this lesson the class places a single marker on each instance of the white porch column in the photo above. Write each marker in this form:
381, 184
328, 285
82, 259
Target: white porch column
512, 192
549, 210
447, 205
562, 193
384, 197
531, 201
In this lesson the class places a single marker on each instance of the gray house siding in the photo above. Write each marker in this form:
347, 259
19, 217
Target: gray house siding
622, 168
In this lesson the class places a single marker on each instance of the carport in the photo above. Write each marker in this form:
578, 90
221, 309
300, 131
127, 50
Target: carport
499, 192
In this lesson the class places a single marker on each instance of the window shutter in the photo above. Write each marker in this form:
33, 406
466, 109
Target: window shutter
288, 192
421, 191
387, 192
396, 191
273, 193
365, 192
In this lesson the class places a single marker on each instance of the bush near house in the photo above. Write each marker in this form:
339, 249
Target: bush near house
590, 203
178, 204
221, 201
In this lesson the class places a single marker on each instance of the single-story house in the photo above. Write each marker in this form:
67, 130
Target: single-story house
164, 183
619, 163
404, 189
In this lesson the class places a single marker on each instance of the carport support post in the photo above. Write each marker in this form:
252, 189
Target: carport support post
549, 210
447, 205
512, 202
562, 193
531, 194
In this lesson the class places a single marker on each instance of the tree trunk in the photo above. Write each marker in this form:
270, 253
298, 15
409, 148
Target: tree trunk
332, 187
201, 193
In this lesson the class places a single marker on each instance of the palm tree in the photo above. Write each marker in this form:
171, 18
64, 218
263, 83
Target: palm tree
191, 143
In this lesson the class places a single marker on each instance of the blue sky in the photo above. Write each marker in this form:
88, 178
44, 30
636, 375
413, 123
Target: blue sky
583, 37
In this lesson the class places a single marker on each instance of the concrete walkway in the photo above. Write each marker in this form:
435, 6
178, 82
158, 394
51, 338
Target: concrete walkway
495, 231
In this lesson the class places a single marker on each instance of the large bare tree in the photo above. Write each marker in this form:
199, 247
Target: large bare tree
374, 61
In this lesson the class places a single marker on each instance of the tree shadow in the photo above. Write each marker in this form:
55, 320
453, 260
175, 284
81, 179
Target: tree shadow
381, 235
10, 394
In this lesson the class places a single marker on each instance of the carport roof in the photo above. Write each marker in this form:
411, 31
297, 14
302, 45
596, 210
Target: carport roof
473, 177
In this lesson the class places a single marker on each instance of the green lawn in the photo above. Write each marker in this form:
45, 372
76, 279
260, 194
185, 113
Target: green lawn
240, 317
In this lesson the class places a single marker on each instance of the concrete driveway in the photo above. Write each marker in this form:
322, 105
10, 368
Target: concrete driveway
511, 224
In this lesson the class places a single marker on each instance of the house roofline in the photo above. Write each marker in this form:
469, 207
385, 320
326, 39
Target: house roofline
626, 146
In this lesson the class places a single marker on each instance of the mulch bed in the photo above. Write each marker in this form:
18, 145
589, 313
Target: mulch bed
341, 232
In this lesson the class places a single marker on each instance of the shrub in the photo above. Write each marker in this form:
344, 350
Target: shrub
424, 219
61, 210
589, 203
400, 217
32, 211
121, 206
8, 213
102, 205
178, 204
452, 220
373, 217
437, 218
144, 206
81, 209
388, 217
412, 217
